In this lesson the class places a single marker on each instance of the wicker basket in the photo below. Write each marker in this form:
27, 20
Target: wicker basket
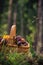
15, 47
23, 48
20, 48
12, 47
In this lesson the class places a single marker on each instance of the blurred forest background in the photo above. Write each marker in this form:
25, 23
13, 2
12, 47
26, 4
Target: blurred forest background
27, 15
23, 13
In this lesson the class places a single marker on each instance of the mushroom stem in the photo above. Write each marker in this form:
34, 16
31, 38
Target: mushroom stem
13, 31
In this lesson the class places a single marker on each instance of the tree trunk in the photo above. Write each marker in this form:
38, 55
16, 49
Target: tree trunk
15, 13
21, 24
21, 17
9, 16
39, 28
42, 28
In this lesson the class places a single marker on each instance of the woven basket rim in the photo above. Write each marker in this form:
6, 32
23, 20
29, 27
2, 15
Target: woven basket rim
14, 45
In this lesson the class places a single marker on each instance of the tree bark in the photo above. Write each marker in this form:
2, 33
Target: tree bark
15, 13
9, 15
21, 24
39, 28
21, 17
